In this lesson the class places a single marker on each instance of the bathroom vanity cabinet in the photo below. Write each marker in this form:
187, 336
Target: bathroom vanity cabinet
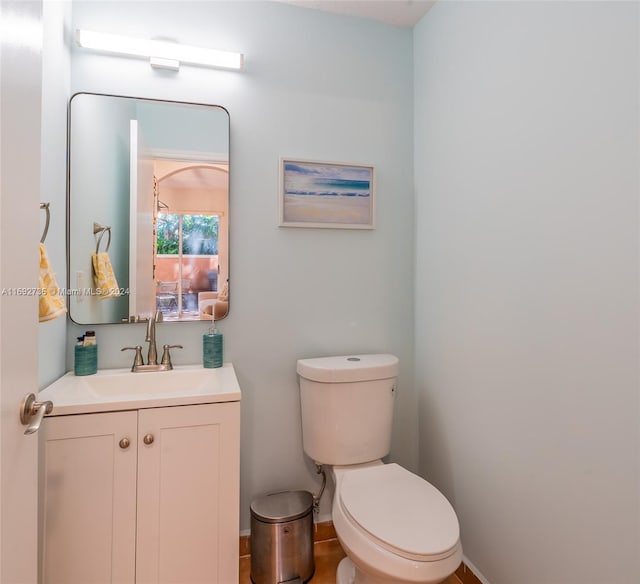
145, 496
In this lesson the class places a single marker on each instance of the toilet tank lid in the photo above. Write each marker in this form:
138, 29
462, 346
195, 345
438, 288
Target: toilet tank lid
348, 368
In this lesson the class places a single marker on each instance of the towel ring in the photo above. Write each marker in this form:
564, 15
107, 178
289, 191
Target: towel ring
45, 206
101, 229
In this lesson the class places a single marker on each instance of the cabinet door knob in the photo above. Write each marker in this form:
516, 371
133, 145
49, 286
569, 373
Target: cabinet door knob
124, 443
148, 439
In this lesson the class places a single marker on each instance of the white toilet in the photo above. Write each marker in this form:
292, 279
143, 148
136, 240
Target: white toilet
393, 525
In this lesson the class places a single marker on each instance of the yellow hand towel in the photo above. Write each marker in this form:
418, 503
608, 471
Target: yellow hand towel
105, 279
51, 304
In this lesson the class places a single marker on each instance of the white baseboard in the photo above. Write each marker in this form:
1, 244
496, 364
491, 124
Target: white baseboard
475, 570
322, 518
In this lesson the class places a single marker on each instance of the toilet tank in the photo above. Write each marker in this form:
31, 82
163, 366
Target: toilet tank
347, 407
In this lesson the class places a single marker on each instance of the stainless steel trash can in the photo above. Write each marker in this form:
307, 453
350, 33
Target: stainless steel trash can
282, 538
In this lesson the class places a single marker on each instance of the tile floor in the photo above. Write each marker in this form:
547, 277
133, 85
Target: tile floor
327, 556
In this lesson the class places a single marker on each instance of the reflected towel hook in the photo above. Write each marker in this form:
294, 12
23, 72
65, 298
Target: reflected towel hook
45, 206
101, 229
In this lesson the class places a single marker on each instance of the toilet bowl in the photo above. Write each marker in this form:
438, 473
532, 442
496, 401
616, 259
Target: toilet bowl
394, 526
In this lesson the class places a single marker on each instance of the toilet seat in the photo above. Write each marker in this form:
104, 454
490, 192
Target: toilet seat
402, 512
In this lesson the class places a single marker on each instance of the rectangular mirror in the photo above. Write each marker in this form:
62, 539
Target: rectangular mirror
147, 210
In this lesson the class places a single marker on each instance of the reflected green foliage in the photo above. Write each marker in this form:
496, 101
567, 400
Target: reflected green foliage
199, 234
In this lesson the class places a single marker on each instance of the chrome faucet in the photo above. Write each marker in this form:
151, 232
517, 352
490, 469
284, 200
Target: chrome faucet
152, 357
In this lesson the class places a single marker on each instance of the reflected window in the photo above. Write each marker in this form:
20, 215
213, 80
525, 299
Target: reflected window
187, 261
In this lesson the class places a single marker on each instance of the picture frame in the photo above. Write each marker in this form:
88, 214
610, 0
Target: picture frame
331, 195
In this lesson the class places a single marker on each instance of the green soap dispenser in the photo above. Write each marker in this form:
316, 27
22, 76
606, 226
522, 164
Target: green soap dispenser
212, 348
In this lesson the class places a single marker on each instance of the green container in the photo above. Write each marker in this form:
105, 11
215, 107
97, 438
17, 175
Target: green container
85, 360
212, 350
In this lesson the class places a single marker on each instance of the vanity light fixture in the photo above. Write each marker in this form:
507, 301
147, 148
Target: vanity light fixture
161, 54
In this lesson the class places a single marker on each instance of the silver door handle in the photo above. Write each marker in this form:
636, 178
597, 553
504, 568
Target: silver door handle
32, 412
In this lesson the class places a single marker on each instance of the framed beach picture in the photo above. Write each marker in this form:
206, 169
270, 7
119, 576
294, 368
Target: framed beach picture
326, 194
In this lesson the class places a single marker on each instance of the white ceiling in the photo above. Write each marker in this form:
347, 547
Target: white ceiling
396, 12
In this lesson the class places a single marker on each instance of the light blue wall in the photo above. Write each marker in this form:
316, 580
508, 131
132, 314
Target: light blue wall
315, 86
167, 126
56, 18
99, 194
526, 159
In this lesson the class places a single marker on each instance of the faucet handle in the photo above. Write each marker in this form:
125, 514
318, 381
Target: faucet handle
138, 358
166, 356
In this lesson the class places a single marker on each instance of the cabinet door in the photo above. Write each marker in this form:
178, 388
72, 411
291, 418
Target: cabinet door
90, 499
188, 494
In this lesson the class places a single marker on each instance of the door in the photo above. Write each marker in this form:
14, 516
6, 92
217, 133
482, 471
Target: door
89, 519
20, 115
142, 298
188, 489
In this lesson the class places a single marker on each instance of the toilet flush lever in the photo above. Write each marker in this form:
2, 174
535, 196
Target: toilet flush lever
32, 412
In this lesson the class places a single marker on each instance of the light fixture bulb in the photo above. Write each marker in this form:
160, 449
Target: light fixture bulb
163, 51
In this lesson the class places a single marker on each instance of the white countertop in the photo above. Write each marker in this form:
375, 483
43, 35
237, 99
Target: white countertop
119, 389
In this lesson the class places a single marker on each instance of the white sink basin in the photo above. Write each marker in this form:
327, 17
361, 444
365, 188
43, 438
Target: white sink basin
109, 382
120, 389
